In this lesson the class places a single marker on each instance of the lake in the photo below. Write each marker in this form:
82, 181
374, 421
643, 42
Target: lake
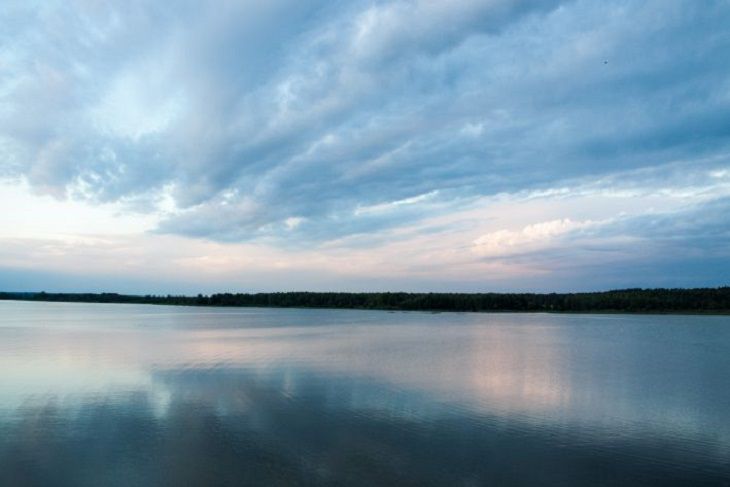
135, 395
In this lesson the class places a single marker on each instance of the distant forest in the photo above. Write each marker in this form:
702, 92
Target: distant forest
701, 300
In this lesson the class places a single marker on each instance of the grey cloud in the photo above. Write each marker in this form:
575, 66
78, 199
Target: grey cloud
313, 109
688, 247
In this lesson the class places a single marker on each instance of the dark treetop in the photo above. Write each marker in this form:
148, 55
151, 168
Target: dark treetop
700, 300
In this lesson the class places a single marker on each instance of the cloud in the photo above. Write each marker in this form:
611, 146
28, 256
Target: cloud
316, 110
532, 237
685, 245
344, 125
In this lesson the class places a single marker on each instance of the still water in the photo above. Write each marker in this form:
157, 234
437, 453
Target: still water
134, 395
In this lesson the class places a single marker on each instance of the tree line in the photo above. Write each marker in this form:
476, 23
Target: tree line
699, 300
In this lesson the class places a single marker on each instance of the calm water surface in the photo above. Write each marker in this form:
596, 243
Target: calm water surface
106, 395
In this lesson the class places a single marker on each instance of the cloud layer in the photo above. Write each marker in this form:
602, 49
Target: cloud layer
332, 127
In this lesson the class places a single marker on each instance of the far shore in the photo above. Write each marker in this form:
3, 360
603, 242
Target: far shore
695, 301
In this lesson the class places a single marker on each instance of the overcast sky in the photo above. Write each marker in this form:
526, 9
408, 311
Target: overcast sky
464, 145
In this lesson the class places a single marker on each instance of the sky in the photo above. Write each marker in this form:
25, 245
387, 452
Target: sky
416, 145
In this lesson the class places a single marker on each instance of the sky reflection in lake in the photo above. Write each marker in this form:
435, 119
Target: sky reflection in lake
144, 395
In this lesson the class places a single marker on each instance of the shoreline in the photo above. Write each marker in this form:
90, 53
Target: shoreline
703, 301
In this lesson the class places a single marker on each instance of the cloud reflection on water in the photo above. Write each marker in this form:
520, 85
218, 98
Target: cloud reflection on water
307, 396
